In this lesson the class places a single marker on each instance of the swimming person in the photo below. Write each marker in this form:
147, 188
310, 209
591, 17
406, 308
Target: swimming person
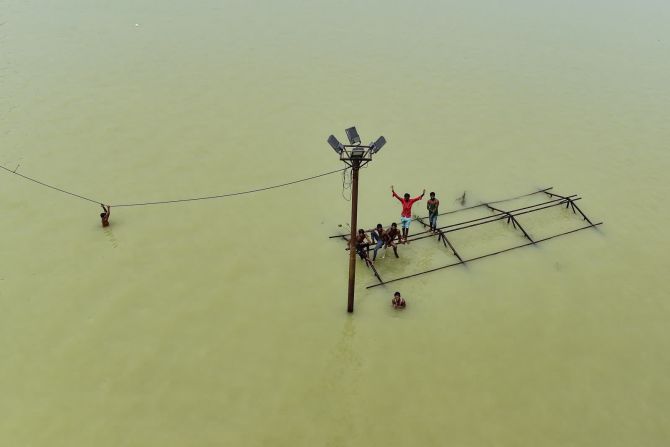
398, 302
105, 216
432, 206
406, 215
362, 243
389, 239
378, 235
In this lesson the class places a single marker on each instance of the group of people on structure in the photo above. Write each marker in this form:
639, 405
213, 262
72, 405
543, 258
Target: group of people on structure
392, 236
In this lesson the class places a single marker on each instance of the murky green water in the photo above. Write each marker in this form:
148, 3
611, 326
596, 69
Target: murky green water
223, 322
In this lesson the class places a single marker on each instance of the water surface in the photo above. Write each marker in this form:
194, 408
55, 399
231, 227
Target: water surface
223, 322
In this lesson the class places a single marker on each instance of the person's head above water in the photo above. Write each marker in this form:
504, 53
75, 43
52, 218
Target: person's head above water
432, 195
406, 196
398, 302
102, 215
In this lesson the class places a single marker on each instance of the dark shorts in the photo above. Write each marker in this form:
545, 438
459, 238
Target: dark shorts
362, 250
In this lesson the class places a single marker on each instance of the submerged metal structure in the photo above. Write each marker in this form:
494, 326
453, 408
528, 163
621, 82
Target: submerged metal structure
553, 200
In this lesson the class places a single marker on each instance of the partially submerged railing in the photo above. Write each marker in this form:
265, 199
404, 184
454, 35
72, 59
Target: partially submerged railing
499, 214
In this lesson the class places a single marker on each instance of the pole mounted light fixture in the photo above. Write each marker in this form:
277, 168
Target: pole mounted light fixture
335, 144
352, 134
355, 150
355, 155
376, 146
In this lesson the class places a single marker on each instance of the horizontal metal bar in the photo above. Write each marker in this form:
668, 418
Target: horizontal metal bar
548, 206
514, 221
555, 201
475, 206
445, 241
481, 221
573, 205
496, 201
483, 256
493, 218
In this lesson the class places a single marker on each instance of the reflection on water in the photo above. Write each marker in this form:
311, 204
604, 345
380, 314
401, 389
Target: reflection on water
345, 352
343, 379
345, 364
110, 237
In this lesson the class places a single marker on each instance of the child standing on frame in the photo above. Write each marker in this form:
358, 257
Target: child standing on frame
433, 205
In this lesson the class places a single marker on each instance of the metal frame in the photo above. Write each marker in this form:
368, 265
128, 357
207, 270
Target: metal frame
443, 237
511, 218
500, 214
570, 203
348, 157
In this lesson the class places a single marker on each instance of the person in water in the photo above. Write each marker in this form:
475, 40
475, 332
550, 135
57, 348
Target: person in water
390, 237
105, 216
378, 235
362, 244
433, 205
406, 214
398, 302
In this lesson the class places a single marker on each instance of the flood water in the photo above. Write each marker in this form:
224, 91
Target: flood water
223, 322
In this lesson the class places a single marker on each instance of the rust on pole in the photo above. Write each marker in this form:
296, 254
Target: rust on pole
355, 165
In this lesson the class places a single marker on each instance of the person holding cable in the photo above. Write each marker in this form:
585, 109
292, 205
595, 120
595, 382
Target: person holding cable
406, 214
105, 216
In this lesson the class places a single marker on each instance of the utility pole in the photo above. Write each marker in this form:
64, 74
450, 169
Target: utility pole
355, 156
355, 166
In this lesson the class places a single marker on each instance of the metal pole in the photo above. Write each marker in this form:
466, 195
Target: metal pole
355, 164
